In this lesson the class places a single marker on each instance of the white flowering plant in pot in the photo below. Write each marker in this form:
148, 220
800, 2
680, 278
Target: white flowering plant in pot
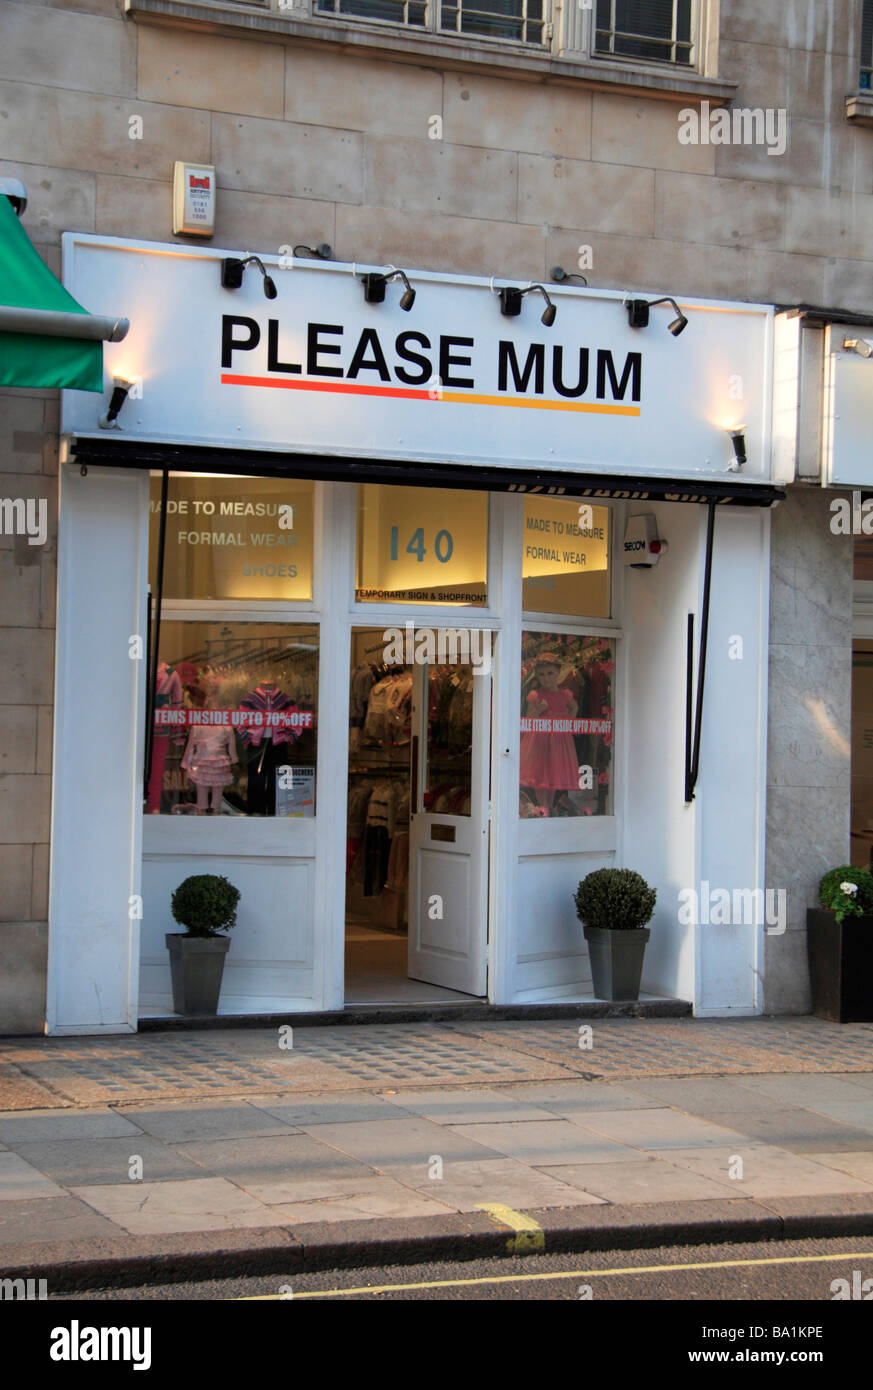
847, 892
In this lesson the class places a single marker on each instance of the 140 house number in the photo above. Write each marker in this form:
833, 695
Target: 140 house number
443, 545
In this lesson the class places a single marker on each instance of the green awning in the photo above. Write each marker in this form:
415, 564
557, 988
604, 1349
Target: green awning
46, 338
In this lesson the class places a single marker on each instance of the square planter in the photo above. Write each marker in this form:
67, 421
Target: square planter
840, 966
196, 966
616, 961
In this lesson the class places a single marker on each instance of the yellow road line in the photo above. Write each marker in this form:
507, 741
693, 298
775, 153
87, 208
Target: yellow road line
564, 1274
530, 1238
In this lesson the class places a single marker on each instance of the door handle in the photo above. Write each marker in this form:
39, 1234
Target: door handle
413, 772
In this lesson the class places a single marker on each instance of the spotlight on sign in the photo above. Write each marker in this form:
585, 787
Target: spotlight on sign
120, 388
511, 298
738, 439
232, 268
16, 192
859, 345
374, 287
638, 314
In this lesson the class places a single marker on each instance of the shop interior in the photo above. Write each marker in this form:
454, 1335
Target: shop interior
379, 796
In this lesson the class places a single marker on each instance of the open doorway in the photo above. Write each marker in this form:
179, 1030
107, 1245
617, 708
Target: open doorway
416, 848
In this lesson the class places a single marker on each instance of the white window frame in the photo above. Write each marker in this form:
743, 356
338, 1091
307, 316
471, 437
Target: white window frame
431, 27
866, 64
568, 31
578, 36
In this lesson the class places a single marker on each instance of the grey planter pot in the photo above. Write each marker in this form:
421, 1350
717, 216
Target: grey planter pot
196, 965
616, 961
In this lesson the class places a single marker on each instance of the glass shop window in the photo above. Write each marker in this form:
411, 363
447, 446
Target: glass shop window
234, 538
567, 725
422, 545
236, 720
566, 558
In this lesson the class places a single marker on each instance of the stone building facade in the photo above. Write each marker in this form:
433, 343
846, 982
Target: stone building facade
401, 145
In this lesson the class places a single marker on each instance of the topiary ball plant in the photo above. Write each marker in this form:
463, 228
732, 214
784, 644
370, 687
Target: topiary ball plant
847, 892
205, 904
615, 900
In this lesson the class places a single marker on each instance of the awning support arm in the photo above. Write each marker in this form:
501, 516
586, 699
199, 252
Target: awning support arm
57, 323
155, 637
692, 744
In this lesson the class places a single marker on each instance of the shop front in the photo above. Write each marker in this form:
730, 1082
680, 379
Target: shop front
397, 613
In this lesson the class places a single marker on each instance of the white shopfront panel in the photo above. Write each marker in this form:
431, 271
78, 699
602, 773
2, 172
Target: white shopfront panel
848, 410
319, 370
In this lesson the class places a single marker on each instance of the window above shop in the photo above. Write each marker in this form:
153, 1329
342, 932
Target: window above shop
518, 21
649, 30
859, 105
643, 46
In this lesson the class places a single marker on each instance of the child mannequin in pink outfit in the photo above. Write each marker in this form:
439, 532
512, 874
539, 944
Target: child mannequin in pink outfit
548, 759
208, 759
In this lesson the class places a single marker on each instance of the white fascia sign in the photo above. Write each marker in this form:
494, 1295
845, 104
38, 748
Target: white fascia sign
318, 370
848, 407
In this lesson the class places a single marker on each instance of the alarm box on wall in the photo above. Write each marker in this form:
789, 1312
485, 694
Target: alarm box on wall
643, 547
193, 199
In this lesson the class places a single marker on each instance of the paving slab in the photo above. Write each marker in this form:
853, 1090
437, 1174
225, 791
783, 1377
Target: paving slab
857, 1114
467, 1186
646, 1180
657, 1129
703, 1095
471, 1107
767, 1171
567, 1098
547, 1143
808, 1089
21, 1182
74, 1162
207, 1119
793, 1127
398, 1202
203, 1204
33, 1126
270, 1158
860, 1165
408, 1141
326, 1109
319, 1186
61, 1219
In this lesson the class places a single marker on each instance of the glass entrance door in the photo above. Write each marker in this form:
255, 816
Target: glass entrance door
448, 877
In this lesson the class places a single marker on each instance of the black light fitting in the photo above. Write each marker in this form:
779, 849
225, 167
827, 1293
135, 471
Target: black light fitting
120, 389
232, 268
321, 252
374, 287
511, 298
638, 314
559, 274
738, 439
